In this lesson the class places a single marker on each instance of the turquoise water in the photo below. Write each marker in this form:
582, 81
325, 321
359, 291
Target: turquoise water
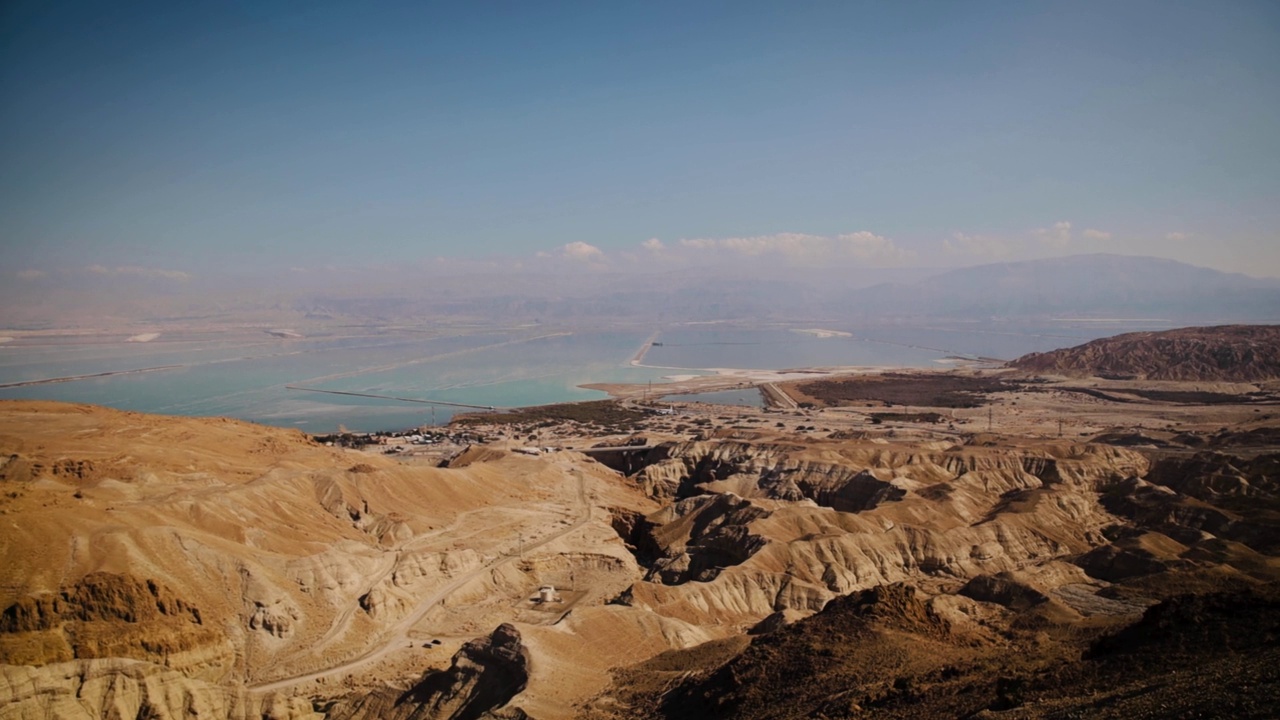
896, 345
246, 377
249, 379
1004, 341
776, 349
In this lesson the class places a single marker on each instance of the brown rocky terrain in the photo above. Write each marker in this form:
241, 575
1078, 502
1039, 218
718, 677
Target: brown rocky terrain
212, 566
1038, 552
483, 675
108, 615
887, 652
1226, 353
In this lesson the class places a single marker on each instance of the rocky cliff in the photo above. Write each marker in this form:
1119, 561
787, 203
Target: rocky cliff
483, 676
106, 615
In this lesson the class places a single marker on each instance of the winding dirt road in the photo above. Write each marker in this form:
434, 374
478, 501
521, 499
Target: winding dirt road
399, 636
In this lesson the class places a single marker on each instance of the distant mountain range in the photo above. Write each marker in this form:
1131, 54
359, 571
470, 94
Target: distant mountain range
1093, 286
1086, 285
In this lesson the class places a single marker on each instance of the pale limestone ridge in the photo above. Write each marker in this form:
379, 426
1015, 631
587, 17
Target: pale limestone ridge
120, 688
954, 513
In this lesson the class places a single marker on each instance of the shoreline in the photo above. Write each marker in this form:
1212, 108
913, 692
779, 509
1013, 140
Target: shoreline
734, 378
308, 416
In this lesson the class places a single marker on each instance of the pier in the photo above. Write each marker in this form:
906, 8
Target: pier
392, 397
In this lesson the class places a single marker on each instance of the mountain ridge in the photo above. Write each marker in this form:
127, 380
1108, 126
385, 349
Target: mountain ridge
1223, 353
1090, 285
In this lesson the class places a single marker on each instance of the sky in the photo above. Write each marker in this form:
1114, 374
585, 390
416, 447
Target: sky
172, 141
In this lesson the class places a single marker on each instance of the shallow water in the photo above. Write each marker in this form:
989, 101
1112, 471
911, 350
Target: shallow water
771, 349
250, 380
249, 377
745, 397
888, 345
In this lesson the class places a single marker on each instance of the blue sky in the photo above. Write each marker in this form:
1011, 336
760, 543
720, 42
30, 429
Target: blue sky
175, 140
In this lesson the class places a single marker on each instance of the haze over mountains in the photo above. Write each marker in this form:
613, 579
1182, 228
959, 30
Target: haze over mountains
1081, 284
1096, 285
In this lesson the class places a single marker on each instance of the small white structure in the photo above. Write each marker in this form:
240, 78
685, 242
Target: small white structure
547, 594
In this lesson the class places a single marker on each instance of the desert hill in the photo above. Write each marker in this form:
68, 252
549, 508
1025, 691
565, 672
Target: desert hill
887, 653
182, 563
160, 566
1226, 353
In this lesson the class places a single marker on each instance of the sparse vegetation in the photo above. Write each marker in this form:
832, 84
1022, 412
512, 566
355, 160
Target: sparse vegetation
598, 412
919, 390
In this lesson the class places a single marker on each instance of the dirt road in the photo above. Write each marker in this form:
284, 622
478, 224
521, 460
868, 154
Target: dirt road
399, 636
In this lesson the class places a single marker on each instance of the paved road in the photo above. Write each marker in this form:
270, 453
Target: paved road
783, 399
399, 636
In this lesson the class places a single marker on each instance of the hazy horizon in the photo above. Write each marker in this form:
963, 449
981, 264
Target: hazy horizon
752, 290
158, 159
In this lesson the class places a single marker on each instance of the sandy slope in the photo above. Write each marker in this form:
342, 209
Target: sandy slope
301, 558
218, 567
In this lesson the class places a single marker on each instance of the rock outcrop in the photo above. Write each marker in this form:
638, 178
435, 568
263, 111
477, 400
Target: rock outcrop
484, 675
700, 536
1217, 477
859, 639
121, 688
107, 615
276, 619
1003, 589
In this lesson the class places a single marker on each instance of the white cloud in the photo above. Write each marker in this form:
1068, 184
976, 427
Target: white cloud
863, 246
653, 245
30, 274
136, 271
789, 244
868, 246
1057, 237
582, 251
698, 244
978, 245
1097, 234
1177, 236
